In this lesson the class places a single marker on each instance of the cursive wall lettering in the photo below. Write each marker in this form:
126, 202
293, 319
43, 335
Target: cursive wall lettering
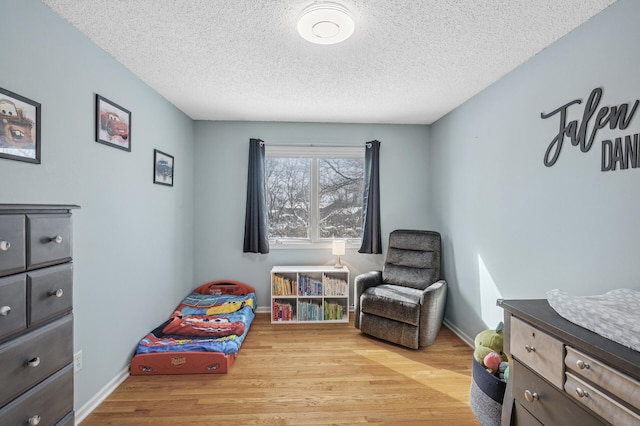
616, 117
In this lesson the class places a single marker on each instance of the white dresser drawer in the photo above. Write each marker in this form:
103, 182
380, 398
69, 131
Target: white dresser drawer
599, 403
604, 377
537, 350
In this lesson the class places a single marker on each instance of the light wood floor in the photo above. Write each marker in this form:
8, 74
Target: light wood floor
307, 374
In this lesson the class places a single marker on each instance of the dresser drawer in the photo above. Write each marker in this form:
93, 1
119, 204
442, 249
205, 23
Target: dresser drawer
69, 420
521, 417
31, 357
547, 404
599, 403
615, 383
13, 305
50, 292
49, 237
12, 244
537, 350
45, 405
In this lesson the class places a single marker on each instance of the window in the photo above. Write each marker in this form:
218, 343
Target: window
314, 194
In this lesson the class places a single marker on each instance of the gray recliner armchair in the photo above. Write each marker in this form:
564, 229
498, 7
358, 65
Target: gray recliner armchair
404, 303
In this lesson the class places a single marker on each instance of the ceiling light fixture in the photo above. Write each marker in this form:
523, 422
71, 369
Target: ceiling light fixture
325, 23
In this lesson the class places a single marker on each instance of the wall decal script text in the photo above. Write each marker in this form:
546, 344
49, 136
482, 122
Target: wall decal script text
595, 118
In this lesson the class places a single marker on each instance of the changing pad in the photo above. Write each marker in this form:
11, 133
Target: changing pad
614, 315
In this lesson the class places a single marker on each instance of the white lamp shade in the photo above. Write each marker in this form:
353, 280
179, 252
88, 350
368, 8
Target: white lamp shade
338, 247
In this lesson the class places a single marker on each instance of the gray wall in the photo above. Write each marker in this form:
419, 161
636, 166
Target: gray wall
222, 152
133, 240
515, 228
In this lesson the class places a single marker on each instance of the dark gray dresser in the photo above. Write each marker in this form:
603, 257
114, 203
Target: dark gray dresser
36, 323
563, 374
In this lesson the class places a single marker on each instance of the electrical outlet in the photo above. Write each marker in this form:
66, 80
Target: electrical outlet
77, 361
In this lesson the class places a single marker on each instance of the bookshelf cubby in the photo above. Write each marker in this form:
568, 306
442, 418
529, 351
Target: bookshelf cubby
307, 294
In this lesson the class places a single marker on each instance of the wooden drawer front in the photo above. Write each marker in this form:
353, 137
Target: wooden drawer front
50, 292
539, 351
549, 405
12, 241
521, 417
603, 376
69, 420
49, 239
47, 404
51, 345
599, 403
13, 305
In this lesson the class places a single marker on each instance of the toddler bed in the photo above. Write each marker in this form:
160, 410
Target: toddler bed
203, 335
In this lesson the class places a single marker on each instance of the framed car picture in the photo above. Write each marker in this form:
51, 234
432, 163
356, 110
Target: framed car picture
19, 127
162, 168
113, 124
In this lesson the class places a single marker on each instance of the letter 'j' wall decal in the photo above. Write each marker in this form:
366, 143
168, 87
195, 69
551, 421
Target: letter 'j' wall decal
618, 153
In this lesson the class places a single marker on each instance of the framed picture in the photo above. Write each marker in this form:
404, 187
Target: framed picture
113, 124
19, 128
162, 168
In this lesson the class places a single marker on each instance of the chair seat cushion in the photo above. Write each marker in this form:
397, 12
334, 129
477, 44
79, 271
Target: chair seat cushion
392, 301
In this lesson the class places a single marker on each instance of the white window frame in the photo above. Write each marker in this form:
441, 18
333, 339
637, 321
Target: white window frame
313, 152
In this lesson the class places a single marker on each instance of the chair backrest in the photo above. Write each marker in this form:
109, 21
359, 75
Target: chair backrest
413, 259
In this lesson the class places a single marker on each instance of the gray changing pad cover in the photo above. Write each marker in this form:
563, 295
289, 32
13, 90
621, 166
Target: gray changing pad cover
614, 315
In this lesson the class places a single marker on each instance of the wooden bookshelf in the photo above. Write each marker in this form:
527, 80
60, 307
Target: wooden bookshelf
309, 294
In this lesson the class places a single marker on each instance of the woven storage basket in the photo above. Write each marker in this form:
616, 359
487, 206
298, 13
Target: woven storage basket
486, 395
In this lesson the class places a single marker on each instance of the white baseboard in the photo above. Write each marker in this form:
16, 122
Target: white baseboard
97, 399
469, 341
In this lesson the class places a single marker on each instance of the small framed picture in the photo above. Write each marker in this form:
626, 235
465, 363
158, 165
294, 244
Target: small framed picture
113, 124
162, 168
19, 128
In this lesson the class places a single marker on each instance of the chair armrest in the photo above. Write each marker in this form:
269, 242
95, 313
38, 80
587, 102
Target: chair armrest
434, 301
360, 284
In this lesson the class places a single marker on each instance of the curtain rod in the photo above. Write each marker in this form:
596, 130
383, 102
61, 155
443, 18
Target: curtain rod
313, 145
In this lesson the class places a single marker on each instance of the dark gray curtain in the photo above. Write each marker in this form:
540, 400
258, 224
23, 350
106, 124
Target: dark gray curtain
256, 228
371, 234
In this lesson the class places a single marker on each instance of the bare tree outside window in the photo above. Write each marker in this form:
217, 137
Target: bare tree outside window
340, 191
314, 198
288, 196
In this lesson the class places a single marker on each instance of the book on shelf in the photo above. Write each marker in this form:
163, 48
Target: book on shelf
309, 311
334, 311
282, 285
282, 311
334, 286
309, 286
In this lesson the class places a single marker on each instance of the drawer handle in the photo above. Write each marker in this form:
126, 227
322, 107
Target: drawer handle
33, 362
582, 393
57, 239
529, 348
531, 396
582, 365
5, 310
34, 420
4, 245
58, 293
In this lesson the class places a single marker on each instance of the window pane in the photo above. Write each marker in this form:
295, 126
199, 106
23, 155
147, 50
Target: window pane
340, 197
288, 196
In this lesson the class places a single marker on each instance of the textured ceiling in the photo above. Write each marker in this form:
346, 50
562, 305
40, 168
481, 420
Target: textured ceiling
407, 62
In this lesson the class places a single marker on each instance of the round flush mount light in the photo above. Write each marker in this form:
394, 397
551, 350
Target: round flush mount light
325, 23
